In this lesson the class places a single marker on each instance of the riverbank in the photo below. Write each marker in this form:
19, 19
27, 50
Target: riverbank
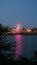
25, 33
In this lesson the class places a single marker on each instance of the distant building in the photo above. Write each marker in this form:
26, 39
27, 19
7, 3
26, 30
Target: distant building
14, 30
28, 30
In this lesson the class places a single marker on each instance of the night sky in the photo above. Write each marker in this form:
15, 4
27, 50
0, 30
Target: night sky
24, 11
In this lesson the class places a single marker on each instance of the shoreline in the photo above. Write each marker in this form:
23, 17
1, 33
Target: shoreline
26, 33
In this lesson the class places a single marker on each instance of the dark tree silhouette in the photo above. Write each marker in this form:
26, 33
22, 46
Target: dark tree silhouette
3, 46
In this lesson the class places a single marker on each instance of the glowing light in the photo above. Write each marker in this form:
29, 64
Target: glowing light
18, 40
18, 26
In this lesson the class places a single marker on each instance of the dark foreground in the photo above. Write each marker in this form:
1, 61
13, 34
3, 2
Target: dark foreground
21, 61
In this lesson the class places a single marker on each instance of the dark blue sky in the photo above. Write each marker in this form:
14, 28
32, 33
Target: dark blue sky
24, 11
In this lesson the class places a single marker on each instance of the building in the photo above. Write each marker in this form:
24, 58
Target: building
28, 30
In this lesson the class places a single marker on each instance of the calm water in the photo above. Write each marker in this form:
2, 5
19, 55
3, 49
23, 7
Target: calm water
29, 44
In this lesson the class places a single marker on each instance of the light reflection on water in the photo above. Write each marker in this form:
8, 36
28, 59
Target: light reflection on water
29, 43
18, 48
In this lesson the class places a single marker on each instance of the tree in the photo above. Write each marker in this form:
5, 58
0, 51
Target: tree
6, 48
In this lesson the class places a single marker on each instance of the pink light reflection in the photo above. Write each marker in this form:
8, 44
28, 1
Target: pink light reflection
18, 49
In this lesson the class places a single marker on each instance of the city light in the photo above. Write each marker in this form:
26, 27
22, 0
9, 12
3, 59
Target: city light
18, 26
